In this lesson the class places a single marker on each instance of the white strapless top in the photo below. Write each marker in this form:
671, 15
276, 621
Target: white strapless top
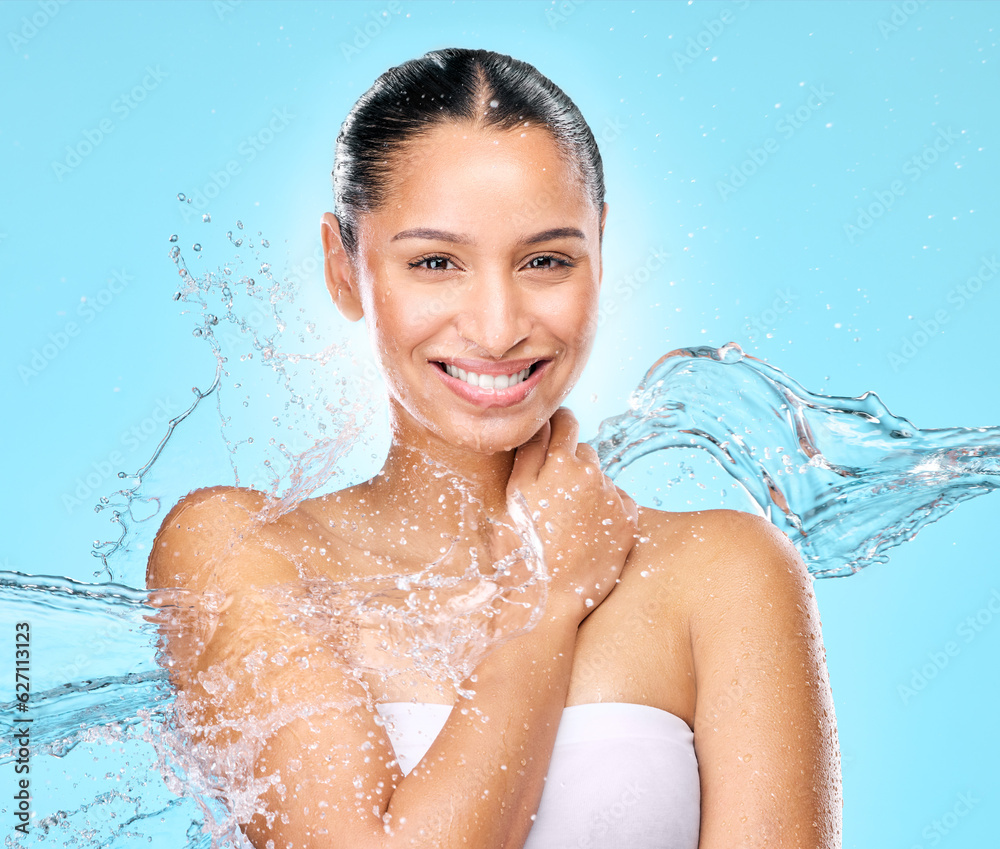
621, 775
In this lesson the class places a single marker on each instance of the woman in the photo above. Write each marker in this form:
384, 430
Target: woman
673, 689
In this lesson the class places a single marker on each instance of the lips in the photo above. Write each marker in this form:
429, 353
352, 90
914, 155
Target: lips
500, 384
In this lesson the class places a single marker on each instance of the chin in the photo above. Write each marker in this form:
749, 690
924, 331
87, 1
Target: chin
484, 431
486, 437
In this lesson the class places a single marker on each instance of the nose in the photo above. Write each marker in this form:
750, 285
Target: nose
495, 314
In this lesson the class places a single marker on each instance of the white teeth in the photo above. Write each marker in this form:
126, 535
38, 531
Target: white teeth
488, 381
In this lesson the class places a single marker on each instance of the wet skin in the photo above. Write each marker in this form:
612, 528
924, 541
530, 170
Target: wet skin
487, 257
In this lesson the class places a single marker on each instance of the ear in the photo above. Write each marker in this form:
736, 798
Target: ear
341, 280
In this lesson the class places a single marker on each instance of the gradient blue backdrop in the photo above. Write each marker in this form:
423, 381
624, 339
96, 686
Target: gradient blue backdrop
834, 100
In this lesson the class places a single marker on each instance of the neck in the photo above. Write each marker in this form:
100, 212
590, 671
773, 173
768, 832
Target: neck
445, 489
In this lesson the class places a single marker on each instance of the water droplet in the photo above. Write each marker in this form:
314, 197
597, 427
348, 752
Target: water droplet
180, 197
173, 238
206, 218
196, 246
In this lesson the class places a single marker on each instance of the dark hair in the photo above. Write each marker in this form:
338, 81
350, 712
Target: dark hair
445, 85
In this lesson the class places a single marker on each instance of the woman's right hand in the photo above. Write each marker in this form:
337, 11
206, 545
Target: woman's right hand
586, 524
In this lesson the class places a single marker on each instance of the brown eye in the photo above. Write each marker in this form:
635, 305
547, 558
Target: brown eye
431, 263
547, 261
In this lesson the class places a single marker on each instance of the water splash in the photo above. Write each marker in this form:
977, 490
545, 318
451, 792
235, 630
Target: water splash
266, 343
96, 690
843, 477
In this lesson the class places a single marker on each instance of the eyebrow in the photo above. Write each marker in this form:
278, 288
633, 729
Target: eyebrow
445, 236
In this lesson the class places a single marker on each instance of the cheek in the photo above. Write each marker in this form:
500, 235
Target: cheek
576, 321
395, 327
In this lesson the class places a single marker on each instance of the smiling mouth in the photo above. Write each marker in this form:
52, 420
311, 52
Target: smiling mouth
489, 381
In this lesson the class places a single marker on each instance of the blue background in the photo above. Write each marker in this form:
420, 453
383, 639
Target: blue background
769, 266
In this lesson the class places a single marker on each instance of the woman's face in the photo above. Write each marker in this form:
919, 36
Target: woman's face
478, 279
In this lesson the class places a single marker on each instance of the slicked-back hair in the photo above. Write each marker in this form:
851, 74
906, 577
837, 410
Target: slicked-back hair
485, 89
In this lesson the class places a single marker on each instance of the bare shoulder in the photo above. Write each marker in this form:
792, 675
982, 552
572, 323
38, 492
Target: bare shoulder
764, 729
716, 532
722, 557
199, 530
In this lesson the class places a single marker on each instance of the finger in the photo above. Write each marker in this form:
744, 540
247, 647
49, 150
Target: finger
585, 452
529, 457
565, 432
631, 508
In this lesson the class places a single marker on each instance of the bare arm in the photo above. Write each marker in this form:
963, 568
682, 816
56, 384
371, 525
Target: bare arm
339, 785
765, 730
478, 785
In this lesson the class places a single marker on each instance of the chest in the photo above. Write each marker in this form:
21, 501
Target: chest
634, 648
